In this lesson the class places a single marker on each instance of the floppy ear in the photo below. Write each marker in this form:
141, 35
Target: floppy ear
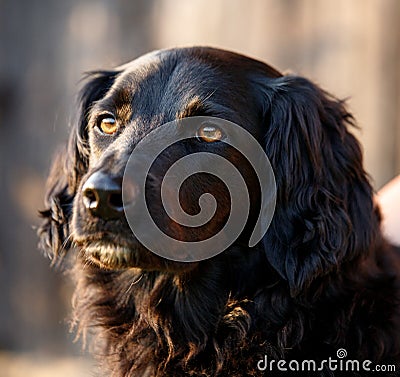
68, 167
324, 211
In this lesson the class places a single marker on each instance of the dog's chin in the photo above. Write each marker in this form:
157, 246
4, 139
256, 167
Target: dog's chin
113, 256
110, 256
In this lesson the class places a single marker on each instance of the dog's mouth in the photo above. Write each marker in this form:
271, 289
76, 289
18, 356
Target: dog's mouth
110, 256
117, 256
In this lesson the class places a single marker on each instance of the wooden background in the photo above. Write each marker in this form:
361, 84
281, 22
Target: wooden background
350, 47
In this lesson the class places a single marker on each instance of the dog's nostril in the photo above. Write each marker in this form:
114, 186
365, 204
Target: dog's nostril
102, 196
115, 200
90, 200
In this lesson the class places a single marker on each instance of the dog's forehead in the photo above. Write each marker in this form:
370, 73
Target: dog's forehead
206, 57
142, 66
178, 72
164, 82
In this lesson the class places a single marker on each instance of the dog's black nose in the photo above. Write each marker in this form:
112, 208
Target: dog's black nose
102, 196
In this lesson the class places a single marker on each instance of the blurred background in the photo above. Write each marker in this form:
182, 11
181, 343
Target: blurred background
350, 47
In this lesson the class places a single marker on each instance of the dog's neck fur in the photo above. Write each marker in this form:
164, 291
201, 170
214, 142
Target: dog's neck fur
164, 323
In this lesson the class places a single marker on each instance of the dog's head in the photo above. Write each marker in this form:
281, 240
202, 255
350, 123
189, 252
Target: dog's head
324, 211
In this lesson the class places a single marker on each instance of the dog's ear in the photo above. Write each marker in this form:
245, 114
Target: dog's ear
324, 211
69, 165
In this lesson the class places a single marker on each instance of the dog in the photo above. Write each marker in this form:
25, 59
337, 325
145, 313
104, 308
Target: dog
322, 283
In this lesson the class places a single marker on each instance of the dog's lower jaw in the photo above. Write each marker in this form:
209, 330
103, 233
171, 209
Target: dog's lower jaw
119, 257
109, 256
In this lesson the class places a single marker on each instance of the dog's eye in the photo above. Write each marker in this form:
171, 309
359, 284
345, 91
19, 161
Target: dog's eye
107, 124
209, 133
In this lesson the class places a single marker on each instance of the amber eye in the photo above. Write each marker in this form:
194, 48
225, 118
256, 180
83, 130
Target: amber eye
209, 133
107, 124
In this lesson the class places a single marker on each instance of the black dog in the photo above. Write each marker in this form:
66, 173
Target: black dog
322, 279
